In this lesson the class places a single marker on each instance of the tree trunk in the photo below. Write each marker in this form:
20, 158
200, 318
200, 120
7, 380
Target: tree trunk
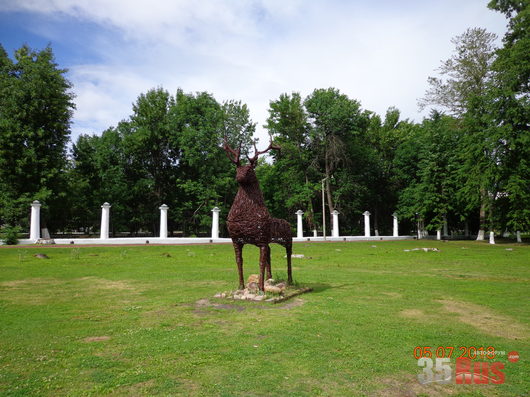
310, 217
482, 216
328, 190
376, 226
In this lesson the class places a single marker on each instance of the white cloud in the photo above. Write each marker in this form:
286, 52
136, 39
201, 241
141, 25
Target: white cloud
379, 53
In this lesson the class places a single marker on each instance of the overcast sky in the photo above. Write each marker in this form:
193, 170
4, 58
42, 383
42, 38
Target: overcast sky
379, 52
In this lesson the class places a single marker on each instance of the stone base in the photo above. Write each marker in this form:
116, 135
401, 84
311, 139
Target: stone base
275, 292
45, 241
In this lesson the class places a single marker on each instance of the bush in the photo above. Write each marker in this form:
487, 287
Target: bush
9, 234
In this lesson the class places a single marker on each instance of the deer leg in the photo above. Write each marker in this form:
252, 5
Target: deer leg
262, 266
289, 250
238, 248
269, 272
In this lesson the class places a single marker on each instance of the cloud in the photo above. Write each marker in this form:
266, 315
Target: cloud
378, 53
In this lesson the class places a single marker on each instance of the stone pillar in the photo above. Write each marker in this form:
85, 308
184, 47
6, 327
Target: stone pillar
335, 231
34, 229
105, 212
315, 233
492, 238
518, 234
163, 220
215, 222
366, 223
395, 228
438, 234
299, 224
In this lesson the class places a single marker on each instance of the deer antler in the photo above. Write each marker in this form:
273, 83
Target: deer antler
233, 155
257, 153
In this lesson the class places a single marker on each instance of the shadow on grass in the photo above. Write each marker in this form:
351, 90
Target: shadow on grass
318, 287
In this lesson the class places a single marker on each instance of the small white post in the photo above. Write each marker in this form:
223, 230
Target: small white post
105, 212
315, 233
492, 238
299, 224
518, 233
163, 220
438, 234
395, 228
215, 222
34, 229
335, 231
366, 223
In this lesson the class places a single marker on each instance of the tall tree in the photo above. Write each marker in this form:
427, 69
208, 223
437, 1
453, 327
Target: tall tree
463, 91
289, 185
509, 108
334, 119
36, 105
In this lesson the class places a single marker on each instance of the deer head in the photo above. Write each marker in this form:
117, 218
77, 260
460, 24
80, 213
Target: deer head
245, 172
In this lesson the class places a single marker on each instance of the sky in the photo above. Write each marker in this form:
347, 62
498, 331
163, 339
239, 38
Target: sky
379, 52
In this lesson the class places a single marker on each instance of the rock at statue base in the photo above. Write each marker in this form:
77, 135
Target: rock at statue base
253, 278
274, 289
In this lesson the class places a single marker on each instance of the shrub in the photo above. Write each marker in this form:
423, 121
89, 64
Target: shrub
9, 234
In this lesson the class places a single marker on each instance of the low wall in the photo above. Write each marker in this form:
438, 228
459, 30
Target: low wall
198, 240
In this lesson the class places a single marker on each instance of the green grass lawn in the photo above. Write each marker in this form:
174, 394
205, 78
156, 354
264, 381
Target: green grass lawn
125, 320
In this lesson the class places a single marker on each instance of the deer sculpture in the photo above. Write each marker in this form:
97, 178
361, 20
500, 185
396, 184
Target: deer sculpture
249, 221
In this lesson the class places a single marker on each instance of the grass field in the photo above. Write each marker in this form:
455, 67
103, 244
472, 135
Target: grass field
143, 320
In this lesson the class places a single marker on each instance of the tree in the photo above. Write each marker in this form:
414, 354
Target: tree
509, 109
289, 185
467, 73
36, 105
464, 93
430, 193
334, 118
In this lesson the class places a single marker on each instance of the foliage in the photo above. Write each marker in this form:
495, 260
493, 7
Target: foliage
509, 109
9, 234
36, 105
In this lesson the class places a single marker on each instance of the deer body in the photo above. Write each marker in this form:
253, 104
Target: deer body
249, 221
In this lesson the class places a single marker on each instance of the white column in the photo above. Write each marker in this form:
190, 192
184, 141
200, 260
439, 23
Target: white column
315, 233
163, 220
34, 229
366, 223
335, 231
105, 212
215, 222
299, 224
518, 233
438, 234
492, 238
395, 228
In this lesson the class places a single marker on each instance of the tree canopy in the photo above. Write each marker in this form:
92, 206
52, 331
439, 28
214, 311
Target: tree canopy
466, 164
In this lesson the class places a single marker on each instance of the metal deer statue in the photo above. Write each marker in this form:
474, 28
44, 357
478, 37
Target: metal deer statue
249, 221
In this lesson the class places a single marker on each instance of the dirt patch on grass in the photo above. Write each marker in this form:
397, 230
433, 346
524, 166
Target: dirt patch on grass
393, 294
296, 302
412, 313
29, 282
96, 338
486, 320
102, 283
409, 386
202, 306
